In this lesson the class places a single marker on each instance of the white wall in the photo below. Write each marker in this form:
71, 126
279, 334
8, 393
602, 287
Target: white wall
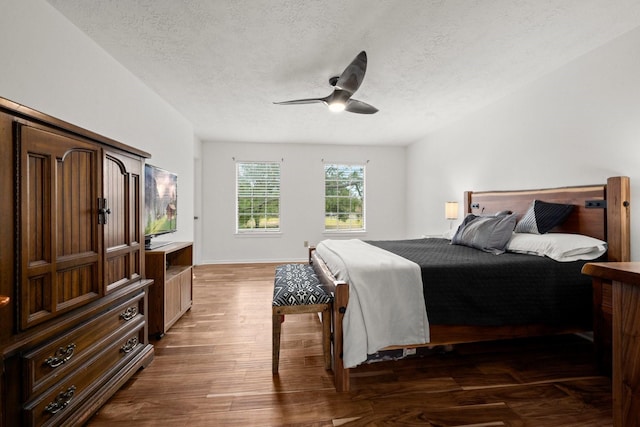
51, 66
578, 125
301, 200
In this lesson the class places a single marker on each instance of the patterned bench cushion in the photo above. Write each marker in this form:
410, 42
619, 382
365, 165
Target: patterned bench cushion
297, 284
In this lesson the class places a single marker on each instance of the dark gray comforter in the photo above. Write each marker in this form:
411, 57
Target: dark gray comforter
465, 286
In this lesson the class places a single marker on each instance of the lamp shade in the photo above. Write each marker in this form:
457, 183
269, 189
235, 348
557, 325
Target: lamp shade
451, 210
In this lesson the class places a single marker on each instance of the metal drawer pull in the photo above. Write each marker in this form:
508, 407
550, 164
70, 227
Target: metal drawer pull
129, 313
61, 356
61, 402
130, 345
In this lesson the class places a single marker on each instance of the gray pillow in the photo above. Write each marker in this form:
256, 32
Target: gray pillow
487, 233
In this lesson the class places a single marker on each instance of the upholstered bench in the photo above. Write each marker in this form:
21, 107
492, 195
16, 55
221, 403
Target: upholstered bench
296, 290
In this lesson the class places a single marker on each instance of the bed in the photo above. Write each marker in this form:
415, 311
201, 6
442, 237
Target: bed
599, 211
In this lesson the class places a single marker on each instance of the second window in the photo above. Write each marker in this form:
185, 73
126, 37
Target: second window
344, 197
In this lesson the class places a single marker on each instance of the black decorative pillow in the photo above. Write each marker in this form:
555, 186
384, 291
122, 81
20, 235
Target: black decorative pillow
487, 233
542, 217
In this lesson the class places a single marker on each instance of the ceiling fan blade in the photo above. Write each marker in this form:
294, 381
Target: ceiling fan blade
355, 106
352, 76
302, 101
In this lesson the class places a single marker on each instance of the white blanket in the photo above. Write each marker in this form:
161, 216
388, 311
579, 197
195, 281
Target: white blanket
386, 302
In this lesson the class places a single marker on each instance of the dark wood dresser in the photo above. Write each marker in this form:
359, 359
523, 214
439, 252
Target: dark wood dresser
625, 315
73, 292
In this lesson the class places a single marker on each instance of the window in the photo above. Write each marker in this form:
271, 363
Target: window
258, 196
344, 197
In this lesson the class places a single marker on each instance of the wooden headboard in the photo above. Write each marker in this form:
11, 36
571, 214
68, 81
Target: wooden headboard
601, 211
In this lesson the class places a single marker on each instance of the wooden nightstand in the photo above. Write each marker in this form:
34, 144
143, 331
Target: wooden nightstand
625, 313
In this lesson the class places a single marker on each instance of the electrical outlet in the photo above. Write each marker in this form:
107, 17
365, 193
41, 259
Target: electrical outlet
408, 352
306, 243
595, 204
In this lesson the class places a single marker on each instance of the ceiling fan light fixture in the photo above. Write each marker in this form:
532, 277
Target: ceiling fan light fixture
337, 106
338, 100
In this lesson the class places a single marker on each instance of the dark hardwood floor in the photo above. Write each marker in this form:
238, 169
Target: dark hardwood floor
213, 368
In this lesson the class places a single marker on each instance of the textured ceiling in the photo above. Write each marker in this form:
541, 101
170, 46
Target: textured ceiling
221, 64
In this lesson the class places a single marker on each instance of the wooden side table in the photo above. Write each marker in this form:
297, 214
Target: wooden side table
171, 295
625, 278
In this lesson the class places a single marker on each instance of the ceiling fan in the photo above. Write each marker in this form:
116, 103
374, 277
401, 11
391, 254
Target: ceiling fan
345, 86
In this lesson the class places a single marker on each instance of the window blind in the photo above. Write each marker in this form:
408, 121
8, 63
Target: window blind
258, 196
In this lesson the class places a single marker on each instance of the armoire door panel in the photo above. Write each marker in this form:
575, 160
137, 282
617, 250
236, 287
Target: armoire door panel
76, 286
75, 200
135, 211
136, 260
38, 210
38, 301
136, 236
117, 269
121, 177
60, 235
116, 183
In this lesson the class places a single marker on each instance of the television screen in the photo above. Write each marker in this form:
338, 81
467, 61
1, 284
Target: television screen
160, 201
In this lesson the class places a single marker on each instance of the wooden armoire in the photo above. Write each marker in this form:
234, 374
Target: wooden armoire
73, 293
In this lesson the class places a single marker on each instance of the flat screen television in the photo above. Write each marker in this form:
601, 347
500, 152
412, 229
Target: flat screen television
160, 204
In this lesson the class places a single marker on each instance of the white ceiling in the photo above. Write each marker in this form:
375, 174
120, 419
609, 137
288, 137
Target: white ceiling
221, 63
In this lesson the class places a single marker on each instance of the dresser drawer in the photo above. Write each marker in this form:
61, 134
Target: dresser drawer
55, 404
48, 363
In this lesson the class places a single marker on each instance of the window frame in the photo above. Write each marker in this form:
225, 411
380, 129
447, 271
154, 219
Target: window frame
363, 198
257, 230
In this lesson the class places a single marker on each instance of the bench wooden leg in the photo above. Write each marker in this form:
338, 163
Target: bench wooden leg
276, 320
326, 337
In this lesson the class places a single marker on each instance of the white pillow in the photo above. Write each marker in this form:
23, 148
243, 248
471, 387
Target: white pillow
558, 246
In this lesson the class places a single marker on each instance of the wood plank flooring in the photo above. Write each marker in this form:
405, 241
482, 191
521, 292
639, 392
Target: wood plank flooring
213, 368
